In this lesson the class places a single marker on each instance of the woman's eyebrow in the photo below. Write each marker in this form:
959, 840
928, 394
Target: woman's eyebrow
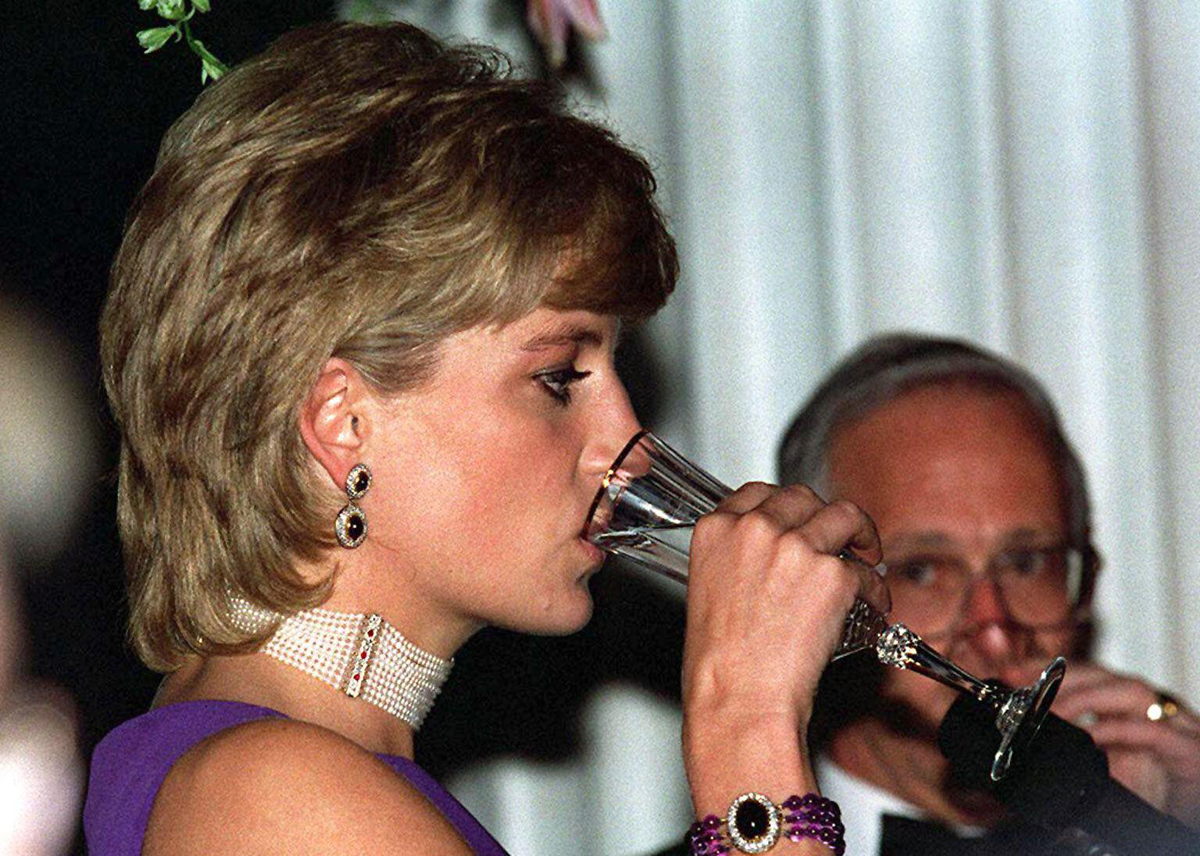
566, 334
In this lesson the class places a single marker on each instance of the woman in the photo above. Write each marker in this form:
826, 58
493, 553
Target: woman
359, 346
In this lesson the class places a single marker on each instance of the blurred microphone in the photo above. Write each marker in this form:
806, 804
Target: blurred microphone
1062, 784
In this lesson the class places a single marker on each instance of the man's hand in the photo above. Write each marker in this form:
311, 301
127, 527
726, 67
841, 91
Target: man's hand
1158, 761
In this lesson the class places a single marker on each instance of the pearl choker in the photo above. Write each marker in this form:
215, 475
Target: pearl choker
362, 655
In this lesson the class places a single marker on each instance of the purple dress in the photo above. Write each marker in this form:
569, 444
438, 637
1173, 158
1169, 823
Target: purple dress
130, 764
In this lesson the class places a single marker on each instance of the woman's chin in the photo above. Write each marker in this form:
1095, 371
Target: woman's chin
569, 616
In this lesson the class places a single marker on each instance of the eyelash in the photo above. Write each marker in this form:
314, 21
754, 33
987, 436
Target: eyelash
557, 383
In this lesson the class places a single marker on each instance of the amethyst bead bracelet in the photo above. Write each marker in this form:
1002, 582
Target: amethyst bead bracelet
755, 824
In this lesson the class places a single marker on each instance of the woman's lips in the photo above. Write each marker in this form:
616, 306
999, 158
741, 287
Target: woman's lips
594, 552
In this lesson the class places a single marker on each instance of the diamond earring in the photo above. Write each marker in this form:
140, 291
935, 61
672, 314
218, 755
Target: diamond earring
351, 524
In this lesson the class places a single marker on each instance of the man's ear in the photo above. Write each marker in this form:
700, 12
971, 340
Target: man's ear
333, 419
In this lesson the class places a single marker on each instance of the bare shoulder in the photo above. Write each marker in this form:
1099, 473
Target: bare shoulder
282, 786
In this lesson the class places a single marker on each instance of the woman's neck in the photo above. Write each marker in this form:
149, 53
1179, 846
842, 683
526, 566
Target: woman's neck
422, 623
399, 682
262, 680
379, 581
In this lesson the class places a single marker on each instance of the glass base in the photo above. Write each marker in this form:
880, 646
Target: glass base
1019, 712
1022, 714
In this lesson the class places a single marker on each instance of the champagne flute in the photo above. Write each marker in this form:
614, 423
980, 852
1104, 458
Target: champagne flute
645, 510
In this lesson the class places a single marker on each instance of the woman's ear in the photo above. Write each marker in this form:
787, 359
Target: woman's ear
333, 420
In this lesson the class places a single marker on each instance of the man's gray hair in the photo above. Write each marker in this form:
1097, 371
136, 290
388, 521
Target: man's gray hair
885, 367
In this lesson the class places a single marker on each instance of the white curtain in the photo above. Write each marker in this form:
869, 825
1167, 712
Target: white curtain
1026, 175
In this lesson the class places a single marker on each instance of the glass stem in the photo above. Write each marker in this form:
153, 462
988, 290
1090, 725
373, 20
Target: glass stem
931, 664
899, 647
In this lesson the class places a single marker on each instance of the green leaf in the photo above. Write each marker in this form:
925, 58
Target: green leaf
211, 68
155, 38
365, 12
202, 5
172, 10
147, 5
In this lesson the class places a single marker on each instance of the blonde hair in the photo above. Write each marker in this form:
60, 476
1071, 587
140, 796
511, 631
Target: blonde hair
354, 191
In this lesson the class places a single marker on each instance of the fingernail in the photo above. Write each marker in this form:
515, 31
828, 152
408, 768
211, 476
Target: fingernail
881, 569
1086, 719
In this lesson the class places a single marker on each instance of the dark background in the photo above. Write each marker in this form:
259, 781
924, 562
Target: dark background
82, 113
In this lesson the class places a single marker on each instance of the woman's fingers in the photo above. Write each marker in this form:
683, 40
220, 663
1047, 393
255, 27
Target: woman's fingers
872, 588
793, 505
842, 524
829, 529
796, 521
826, 527
747, 497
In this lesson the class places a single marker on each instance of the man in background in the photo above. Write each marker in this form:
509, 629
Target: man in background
982, 508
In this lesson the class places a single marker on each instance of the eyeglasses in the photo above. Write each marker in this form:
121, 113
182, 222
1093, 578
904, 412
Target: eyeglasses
1041, 587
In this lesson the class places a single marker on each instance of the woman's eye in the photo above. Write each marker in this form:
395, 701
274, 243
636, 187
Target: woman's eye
558, 382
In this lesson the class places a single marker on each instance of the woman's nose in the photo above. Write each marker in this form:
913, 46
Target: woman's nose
613, 426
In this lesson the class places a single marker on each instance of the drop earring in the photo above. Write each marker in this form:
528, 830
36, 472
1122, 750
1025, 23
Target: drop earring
351, 524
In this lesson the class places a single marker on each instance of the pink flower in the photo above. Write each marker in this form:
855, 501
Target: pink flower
551, 21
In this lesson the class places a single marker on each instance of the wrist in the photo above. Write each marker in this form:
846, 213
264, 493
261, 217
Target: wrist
738, 710
728, 752
710, 695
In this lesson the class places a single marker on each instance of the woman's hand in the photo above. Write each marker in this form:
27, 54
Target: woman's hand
1158, 761
767, 599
